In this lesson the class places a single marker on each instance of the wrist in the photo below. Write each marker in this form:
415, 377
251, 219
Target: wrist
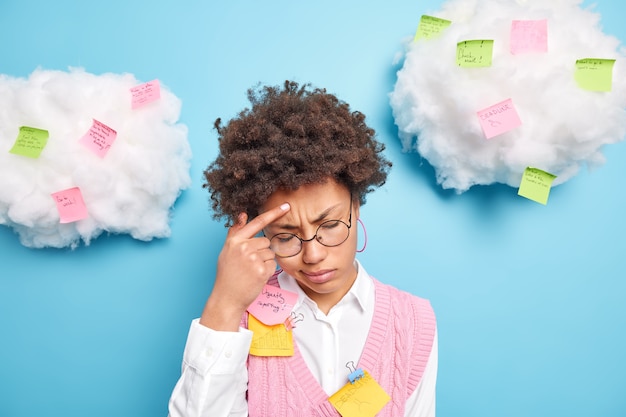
221, 316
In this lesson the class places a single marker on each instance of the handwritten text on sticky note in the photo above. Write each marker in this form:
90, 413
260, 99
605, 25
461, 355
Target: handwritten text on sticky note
30, 142
430, 27
70, 205
536, 185
269, 340
363, 398
273, 305
474, 53
99, 138
529, 36
594, 74
499, 118
145, 93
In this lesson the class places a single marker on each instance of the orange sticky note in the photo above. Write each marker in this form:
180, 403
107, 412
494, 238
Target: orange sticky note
273, 305
269, 340
145, 93
363, 398
70, 205
499, 118
99, 138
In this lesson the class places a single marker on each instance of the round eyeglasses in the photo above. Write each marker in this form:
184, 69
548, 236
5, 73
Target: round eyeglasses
329, 233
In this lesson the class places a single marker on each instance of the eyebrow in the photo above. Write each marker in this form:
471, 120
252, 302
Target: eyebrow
323, 216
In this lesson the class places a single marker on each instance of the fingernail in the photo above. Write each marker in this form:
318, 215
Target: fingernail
285, 207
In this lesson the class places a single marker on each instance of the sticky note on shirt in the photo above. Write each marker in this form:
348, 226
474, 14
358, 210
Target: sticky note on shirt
70, 205
594, 74
528, 36
430, 27
363, 398
536, 185
499, 118
30, 142
145, 93
273, 305
99, 138
269, 340
474, 53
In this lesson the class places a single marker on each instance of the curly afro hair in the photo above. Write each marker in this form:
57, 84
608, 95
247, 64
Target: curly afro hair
292, 136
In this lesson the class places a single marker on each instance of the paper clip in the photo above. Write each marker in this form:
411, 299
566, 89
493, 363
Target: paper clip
355, 374
291, 321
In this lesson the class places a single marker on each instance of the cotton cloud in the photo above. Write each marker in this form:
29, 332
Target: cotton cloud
563, 126
128, 190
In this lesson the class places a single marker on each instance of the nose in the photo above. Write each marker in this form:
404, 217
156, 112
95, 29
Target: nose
312, 251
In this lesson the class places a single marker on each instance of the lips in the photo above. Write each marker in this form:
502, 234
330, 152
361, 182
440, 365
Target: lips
319, 277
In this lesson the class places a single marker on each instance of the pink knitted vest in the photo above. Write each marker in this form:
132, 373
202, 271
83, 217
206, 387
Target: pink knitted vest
395, 354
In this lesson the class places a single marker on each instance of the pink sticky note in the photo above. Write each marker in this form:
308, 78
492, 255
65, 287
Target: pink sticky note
529, 36
273, 305
70, 205
99, 138
145, 93
499, 118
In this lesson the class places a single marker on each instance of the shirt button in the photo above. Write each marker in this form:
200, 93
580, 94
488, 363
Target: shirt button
228, 354
209, 352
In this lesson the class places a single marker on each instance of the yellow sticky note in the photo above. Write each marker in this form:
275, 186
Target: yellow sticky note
30, 142
364, 398
594, 74
430, 27
536, 185
474, 53
269, 340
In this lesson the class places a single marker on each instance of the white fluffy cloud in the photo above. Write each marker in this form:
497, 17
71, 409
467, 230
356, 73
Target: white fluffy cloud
129, 190
564, 127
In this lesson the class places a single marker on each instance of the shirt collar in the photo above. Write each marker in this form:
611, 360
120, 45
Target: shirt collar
360, 293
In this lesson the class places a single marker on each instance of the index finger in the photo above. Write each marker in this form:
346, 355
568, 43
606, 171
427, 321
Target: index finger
257, 224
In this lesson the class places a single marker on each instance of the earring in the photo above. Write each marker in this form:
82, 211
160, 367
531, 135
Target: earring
364, 235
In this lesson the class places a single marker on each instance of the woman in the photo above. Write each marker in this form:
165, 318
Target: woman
291, 176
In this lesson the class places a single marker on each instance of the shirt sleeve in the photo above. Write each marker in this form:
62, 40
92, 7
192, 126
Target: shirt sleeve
422, 402
214, 375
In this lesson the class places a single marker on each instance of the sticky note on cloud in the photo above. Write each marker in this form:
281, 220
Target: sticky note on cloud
536, 185
70, 205
499, 118
528, 36
30, 142
145, 93
430, 27
474, 53
99, 138
594, 74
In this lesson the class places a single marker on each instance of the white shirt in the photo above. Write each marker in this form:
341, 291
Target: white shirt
214, 375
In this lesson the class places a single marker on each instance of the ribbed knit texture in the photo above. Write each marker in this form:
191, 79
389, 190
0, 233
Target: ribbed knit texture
395, 354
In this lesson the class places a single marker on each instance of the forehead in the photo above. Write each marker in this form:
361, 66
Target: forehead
311, 203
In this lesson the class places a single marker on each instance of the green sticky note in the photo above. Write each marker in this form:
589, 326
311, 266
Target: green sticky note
594, 74
474, 53
430, 27
30, 142
536, 185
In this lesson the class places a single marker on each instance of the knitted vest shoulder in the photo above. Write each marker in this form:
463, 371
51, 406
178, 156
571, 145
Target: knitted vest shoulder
395, 354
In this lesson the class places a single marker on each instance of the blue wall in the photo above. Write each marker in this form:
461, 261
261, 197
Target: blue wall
529, 297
